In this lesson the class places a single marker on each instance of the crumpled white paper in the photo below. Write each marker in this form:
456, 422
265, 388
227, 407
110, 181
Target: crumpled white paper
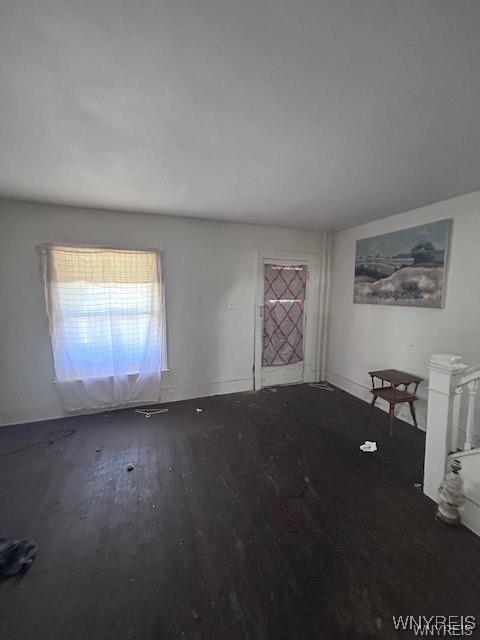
368, 446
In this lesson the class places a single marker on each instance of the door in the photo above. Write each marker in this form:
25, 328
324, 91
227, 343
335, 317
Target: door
281, 322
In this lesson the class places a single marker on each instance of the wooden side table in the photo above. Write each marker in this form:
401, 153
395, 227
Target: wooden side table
392, 394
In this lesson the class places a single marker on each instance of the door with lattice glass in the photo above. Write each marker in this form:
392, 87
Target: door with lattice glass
283, 329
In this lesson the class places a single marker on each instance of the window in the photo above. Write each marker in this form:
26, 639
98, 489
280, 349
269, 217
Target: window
107, 319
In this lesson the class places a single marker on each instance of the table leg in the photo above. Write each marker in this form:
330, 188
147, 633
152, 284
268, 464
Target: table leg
392, 416
412, 411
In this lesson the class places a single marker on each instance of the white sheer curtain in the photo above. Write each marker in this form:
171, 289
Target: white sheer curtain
106, 316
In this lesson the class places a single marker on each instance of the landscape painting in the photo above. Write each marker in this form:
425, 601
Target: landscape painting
406, 267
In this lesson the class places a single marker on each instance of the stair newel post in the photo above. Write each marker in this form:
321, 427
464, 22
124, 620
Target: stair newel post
444, 371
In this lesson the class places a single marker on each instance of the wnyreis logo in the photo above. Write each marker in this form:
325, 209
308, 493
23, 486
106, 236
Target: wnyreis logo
436, 626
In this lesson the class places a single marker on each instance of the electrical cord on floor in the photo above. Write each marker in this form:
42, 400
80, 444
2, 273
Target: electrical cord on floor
52, 437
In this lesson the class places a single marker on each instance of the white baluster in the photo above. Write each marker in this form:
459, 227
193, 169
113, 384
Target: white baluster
457, 403
472, 390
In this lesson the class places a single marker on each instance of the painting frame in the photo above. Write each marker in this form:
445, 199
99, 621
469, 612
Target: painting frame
406, 267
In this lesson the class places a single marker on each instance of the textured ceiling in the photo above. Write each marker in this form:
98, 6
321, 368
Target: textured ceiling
306, 113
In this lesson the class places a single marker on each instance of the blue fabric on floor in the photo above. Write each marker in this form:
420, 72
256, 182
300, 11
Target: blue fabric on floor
16, 556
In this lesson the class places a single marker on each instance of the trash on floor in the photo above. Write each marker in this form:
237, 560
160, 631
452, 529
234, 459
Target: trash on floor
368, 446
148, 413
16, 556
130, 466
199, 410
321, 385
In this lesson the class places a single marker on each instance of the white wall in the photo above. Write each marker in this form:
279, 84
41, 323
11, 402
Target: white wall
365, 337
207, 265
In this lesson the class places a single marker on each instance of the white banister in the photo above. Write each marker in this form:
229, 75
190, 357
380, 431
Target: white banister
472, 390
470, 374
445, 369
457, 404
452, 393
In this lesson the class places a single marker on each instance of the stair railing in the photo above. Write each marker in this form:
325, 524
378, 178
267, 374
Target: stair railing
449, 379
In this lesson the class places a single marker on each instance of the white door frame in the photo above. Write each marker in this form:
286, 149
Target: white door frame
311, 308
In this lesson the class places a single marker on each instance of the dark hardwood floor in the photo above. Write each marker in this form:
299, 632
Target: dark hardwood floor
200, 541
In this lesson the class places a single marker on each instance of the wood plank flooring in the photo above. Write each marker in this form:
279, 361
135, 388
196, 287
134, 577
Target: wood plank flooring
199, 541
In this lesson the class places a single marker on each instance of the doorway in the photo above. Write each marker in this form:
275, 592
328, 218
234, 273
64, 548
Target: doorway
284, 337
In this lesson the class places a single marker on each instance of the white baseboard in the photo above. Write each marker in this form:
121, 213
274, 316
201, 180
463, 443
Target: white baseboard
39, 412
30, 413
187, 392
350, 386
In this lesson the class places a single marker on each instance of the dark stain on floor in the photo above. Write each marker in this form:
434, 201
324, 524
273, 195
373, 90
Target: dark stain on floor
197, 542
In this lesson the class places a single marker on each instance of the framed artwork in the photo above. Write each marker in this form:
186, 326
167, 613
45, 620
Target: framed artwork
406, 267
